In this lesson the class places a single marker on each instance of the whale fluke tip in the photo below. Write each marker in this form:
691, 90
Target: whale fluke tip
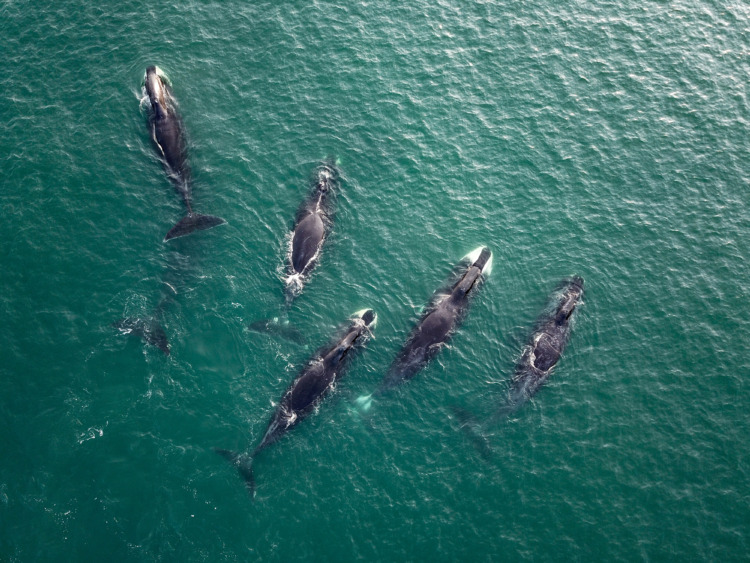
244, 464
193, 222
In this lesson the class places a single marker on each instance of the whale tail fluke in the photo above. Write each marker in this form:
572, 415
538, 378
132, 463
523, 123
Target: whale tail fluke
148, 329
193, 222
244, 464
474, 431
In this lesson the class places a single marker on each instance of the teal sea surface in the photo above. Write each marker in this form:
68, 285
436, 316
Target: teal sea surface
602, 139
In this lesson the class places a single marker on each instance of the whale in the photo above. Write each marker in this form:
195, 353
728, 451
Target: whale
179, 271
438, 323
311, 227
316, 380
149, 330
545, 345
168, 136
539, 357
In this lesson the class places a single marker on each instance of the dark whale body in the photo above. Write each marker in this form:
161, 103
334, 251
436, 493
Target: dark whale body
315, 381
436, 326
312, 225
546, 345
167, 134
311, 228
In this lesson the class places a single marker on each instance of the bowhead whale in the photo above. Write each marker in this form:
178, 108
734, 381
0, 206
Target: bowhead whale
546, 345
436, 325
150, 330
539, 357
167, 134
309, 388
311, 227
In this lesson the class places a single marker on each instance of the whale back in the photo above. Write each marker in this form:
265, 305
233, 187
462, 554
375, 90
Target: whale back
308, 236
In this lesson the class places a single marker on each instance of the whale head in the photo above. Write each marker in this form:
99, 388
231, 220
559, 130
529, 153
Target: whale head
481, 257
367, 317
481, 262
576, 281
156, 90
571, 297
325, 178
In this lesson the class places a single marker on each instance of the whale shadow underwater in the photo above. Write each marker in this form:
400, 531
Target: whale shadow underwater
539, 357
316, 380
168, 137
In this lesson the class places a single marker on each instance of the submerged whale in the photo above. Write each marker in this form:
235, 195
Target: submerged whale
315, 381
178, 274
311, 227
150, 330
167, 134
438, 324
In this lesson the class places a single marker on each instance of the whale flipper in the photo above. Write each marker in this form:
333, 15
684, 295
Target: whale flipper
244, 464
148, 329
193, 222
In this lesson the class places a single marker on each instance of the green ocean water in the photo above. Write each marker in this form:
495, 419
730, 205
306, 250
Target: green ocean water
605, 139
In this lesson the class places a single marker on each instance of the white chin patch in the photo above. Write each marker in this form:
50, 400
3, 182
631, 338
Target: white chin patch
488, 267
473, 256
361, 312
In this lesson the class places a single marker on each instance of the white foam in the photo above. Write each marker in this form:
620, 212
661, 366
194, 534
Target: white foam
488, 267
295, 281
364, 402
